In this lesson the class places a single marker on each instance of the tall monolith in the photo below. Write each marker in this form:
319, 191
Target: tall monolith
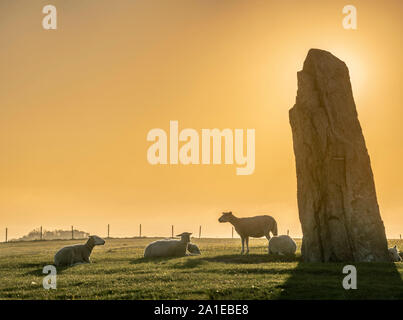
337, 202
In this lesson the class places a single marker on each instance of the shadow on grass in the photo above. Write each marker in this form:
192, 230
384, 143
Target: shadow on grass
195, 261
324, 281
189, 264
153, 260
247, 271
33, 265
250, 258
38, 268
36, 272
39, 272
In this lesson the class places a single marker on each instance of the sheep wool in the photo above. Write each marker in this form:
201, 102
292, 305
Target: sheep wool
168, 247
193, 249
283, 245
79, 253
394, 254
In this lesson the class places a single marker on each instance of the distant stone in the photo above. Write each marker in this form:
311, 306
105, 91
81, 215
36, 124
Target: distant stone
337, 202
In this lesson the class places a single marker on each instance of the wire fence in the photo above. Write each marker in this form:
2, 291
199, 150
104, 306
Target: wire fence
72, 234
40, 234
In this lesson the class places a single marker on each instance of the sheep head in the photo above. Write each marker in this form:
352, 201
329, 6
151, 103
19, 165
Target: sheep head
97, 241
226, 217
185, 236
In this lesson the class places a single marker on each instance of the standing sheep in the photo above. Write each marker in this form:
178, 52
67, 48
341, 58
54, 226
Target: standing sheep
255, 227
282, 245
76, 254
168, 247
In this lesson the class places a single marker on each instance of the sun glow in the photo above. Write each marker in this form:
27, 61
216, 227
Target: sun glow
358, 68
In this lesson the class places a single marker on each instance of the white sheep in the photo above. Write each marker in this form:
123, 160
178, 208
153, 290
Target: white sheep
394, 254
193, 249
168, 247
76, 254
282, 245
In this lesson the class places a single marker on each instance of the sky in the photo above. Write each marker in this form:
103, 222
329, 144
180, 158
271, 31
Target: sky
77, 103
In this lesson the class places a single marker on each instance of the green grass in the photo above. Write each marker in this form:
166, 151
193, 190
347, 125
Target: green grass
118, 271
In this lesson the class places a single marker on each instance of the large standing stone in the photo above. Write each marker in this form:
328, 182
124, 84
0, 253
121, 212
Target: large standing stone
337, 202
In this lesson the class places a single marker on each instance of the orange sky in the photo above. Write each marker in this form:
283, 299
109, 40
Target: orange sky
76, 105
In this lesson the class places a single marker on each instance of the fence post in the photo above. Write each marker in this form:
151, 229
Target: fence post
108, 230
6, 233
172, 231
72, 233
140, 230
199, 232
41, 233
288, 232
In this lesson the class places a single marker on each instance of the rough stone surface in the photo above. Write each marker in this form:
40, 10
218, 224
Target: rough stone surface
337, 202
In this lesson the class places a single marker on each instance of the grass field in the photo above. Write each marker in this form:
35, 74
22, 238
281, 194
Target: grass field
118, 271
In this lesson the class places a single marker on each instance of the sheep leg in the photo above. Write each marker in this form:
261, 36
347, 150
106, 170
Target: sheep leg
243, 240
247, 245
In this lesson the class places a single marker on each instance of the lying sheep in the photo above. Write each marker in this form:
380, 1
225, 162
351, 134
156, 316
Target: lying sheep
394, 254
76, 254
193, 249
282, 245
168, 247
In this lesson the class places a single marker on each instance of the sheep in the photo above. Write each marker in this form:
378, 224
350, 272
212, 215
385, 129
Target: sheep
255, 227
168, 247
394, 254
282, 245
77, 254
193, 249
